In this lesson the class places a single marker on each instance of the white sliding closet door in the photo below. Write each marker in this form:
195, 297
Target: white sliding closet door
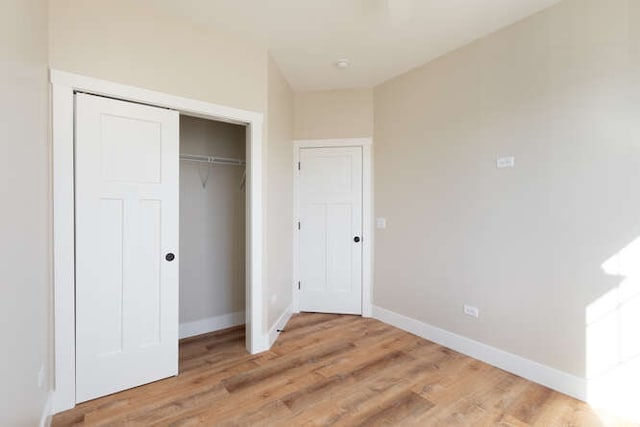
127, 166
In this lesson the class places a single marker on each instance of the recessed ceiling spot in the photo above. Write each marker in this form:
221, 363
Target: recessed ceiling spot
343, 64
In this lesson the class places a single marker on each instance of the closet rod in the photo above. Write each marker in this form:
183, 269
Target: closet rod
212, 159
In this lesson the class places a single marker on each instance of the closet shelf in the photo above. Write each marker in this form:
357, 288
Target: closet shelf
212, 159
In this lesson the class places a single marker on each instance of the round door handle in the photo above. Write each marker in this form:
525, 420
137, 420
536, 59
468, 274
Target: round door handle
356, 239
170, 257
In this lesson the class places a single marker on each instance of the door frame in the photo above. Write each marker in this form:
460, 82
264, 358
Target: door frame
367, 212
64, 85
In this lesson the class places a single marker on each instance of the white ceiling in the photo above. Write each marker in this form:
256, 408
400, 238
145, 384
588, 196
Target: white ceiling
381, 38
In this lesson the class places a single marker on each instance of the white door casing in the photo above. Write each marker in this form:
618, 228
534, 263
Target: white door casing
330, 204
64, 85
126, 184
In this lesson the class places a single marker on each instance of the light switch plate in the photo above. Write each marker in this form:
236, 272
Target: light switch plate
381, 223
506, 162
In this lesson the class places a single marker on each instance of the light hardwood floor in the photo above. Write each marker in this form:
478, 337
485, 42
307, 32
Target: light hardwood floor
332, 370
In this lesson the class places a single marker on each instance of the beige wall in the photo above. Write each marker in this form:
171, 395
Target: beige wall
333, 114
121, 41
526, 245
559, 91
279, 196
212, 221
25, 230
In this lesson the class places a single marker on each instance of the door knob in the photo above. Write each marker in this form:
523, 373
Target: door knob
356, 239
170, 257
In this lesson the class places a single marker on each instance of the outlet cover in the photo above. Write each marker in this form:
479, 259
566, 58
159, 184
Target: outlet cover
472, 311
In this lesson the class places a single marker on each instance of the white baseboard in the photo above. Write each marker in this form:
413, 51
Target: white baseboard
47, 412
280, 324
59, 404
550, 377
211, 324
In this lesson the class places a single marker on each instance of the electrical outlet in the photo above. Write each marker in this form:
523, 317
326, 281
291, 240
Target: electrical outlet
472, 311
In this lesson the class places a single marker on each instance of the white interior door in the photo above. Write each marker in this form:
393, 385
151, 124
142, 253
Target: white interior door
330, 247
126, 232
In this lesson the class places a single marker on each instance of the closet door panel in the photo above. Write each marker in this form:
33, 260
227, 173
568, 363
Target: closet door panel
126, 223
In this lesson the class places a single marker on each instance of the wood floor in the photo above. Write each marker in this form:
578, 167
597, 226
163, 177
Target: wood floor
332, 370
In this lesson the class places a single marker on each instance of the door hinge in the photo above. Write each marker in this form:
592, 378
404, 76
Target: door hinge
298, 285
298, 225
298, 165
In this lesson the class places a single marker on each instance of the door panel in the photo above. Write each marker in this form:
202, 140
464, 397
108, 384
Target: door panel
330, 206
106, 295
143, 147
126, 221
339, 243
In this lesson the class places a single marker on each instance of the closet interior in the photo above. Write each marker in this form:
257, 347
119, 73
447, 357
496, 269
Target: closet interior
212, 225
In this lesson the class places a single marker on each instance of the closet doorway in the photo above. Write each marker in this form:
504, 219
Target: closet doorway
160, 238
212, 225
65, 89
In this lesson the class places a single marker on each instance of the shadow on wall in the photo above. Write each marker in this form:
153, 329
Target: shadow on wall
613, 339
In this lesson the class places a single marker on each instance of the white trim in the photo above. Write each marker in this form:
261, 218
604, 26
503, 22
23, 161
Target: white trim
63, 86
47, 411
547, 376
256, 337
367, 212
280, 324
337, 142
158, 99
211, 324
295, 306
367, 227
63, 248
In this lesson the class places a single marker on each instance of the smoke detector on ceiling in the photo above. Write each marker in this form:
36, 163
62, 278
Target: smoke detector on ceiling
343, 64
